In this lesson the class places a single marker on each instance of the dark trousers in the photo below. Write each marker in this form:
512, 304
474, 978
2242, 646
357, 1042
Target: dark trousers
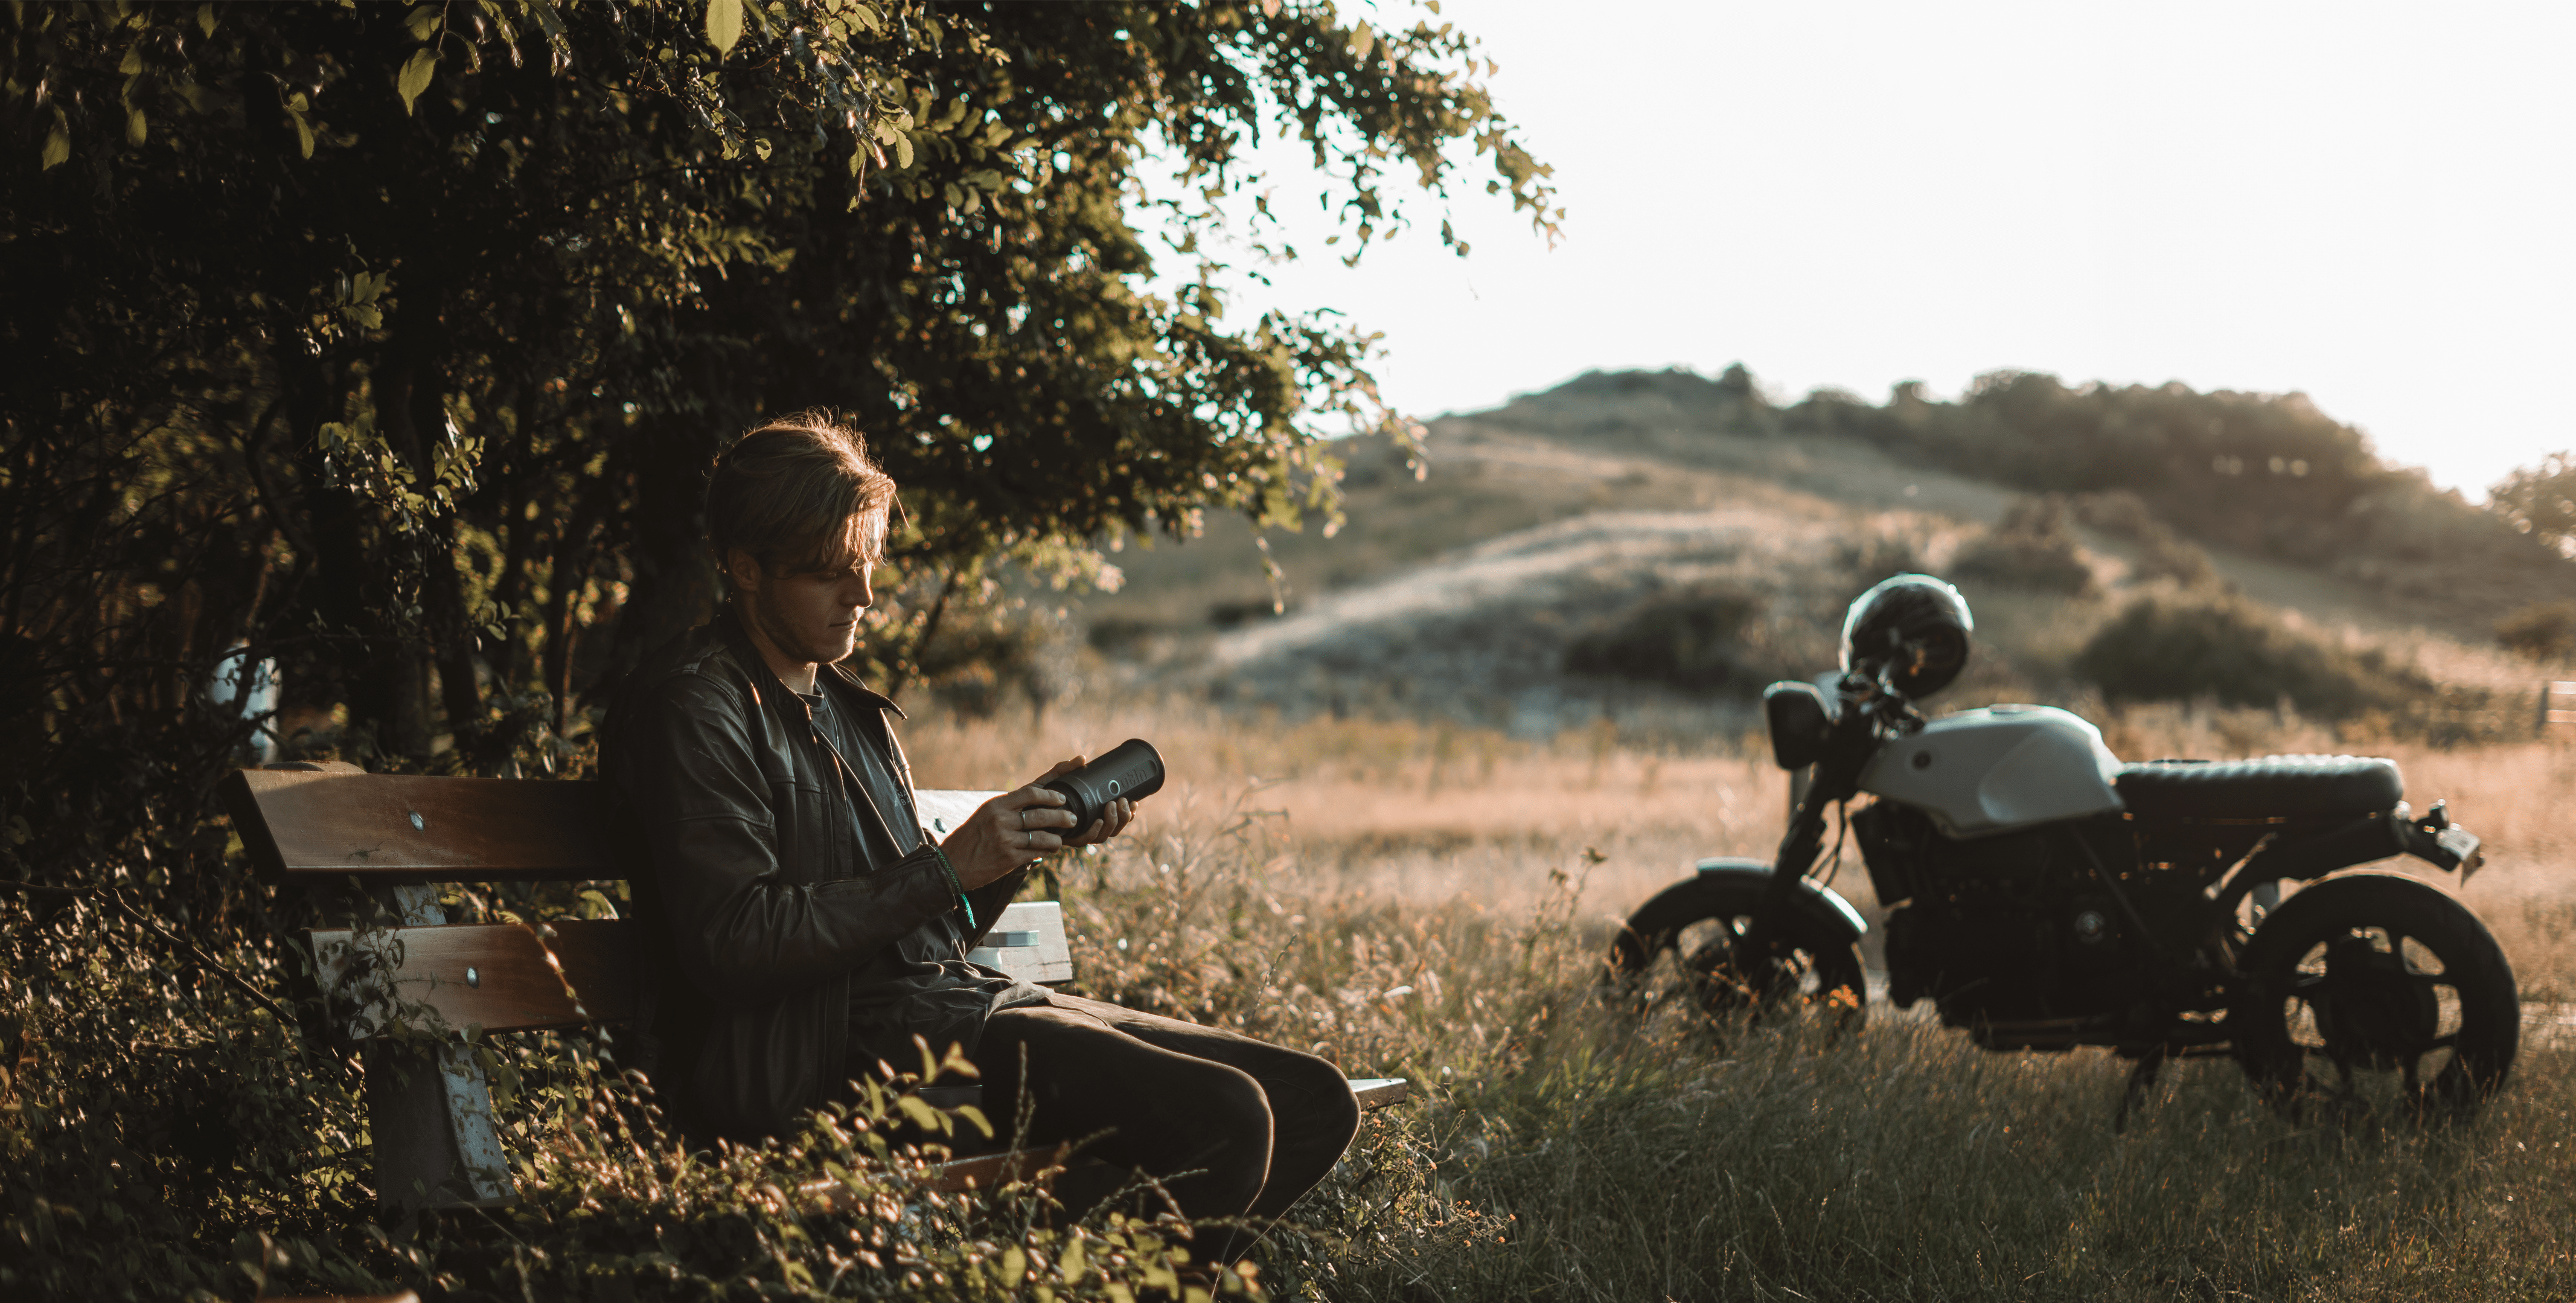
1255, 1124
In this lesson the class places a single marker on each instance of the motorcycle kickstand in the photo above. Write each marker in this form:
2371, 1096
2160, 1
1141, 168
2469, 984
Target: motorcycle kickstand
2142, 1082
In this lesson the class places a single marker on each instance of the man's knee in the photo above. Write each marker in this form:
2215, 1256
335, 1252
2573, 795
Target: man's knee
1315, 1101
1228, 1103
1216, 1123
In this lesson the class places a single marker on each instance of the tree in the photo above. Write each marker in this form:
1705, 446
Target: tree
392, 342
2541, 501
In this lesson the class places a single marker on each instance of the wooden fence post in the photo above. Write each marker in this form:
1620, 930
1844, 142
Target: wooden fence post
2550, 713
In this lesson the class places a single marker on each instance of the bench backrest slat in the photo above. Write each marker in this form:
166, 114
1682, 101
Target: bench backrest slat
394, 828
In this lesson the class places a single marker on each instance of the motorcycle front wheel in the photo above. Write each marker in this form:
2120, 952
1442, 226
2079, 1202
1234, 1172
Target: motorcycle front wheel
1705, 924
2376, 983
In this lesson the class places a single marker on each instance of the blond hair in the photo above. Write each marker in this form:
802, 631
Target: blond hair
801, 495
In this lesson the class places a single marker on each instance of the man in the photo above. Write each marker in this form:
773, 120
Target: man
809, 929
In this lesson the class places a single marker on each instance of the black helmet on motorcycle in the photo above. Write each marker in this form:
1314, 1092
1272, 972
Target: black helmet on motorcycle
1913, 629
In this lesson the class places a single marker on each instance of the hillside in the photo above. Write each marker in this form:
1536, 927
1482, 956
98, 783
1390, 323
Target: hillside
1509, 586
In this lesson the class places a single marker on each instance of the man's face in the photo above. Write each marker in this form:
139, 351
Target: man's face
809, 617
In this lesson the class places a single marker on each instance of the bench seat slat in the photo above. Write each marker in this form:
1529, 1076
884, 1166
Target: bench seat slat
496, 975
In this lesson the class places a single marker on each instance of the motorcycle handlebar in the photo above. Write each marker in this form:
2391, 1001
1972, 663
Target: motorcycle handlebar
1873, 698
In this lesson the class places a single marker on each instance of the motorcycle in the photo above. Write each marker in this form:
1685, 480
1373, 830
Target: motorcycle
2044, 895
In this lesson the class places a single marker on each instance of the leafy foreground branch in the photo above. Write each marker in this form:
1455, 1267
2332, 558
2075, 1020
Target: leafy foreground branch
165, 1136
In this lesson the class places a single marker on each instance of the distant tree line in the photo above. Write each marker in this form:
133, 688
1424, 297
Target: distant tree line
2267, 474
2263, 473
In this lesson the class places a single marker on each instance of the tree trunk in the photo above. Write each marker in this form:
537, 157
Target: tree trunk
411, 412
675, 586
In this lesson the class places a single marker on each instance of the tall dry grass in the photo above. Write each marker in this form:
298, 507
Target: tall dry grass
1430, 902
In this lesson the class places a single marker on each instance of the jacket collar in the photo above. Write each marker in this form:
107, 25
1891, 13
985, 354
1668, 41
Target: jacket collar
728, 624
850, 679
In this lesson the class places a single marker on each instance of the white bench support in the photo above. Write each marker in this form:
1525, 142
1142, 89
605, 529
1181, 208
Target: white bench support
430, 1112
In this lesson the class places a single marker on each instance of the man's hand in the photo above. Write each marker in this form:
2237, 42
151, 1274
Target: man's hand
1025, 824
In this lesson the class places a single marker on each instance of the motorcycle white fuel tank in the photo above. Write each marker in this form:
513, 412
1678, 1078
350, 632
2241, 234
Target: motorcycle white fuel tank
1998, 768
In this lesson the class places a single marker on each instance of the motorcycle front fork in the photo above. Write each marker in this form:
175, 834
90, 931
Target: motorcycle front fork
1812, 792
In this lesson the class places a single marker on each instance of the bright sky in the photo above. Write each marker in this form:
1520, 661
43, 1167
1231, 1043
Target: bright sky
2372, 204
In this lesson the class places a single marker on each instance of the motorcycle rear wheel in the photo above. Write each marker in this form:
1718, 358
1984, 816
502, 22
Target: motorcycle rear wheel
1704, 923
2387, 983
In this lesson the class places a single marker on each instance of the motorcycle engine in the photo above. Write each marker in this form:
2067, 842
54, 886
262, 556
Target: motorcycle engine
2003, 929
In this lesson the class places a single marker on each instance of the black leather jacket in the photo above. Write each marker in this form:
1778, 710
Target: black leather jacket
762, 911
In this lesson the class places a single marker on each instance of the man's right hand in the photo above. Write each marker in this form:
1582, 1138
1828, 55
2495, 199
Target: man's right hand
1025, 824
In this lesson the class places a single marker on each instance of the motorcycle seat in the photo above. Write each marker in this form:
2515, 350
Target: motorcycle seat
2271, 787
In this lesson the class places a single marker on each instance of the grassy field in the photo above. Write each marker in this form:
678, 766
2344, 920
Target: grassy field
1412, 899
1431, 902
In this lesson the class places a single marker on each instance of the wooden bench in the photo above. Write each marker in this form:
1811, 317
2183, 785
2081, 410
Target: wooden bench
429, 1107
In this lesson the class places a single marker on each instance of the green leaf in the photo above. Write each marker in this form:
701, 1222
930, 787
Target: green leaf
415, 79
921, 1114
206, 18
423, 21
724, 24
58, 146
134, 126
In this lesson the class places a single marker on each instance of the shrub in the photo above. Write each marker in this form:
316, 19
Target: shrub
2542, 630
1689, 638
166, 1133
2118, 513
2032, 547
2225, 648
976, 662
2162, 554
1883, 553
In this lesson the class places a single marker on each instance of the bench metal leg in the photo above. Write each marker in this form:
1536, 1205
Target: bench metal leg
431, 1112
